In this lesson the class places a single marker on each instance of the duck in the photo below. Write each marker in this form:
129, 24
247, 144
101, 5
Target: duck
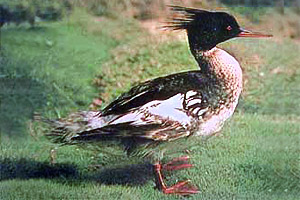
152, 116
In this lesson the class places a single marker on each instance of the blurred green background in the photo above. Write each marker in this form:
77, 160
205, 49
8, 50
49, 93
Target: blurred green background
61, 56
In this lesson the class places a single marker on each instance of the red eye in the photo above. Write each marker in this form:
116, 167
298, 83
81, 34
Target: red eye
229, 28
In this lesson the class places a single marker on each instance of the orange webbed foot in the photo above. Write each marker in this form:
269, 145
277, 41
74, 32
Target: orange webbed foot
181, 188
178, 164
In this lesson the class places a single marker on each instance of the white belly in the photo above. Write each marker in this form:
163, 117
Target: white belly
216, 122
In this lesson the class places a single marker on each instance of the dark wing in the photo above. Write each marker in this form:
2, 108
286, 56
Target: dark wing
153, 132
157, 89
133, 137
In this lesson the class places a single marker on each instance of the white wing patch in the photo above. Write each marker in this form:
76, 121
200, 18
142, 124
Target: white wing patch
157, 112
190, 94
192, 98
191, 102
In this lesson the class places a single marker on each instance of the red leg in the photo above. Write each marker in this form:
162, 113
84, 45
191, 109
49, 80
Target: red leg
177, 164
181, 188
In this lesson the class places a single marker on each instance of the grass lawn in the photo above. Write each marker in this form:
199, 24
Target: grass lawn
51, 70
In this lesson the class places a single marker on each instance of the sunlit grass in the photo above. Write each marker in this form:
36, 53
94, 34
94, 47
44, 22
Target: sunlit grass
256, 158
51, 70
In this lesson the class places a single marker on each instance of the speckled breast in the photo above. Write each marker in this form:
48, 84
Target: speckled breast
228, 72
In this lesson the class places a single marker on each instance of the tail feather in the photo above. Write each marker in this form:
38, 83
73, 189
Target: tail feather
64, 130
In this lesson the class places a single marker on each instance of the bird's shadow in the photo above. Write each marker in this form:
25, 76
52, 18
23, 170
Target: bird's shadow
133, 175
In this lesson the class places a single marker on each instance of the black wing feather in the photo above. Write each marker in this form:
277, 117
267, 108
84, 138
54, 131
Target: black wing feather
157, 89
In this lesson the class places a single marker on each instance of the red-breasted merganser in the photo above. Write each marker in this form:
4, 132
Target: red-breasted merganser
169, 108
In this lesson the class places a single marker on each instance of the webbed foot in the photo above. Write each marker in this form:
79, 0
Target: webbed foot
181, 188
178, 164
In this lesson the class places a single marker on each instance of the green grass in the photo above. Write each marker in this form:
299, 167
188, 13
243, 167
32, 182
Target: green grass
252, 13
50, 70
256, 158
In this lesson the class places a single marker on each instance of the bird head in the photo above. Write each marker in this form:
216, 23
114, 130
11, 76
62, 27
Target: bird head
206, 29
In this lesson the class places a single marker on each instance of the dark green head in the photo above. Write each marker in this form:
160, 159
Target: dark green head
206, 29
